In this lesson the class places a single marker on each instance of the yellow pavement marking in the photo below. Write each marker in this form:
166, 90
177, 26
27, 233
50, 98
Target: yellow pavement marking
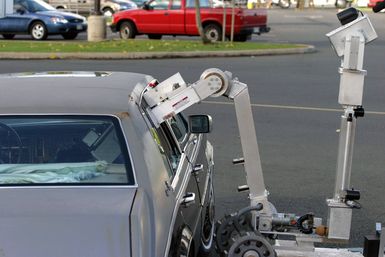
305, 108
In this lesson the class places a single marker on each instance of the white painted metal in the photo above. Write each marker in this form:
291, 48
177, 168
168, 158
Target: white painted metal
382, 243
352, 75
345, 153
253, 167
360, 25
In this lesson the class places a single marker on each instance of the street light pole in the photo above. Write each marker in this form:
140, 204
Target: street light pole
97, 7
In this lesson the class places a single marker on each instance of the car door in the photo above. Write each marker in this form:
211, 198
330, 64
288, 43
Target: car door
154, 20
181, 149
176, 18
190, 218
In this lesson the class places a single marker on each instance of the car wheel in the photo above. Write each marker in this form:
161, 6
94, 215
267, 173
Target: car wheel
108, 12
127, 30
8, 36
212, 32
38, 31
154, 36
70, 35
208, 225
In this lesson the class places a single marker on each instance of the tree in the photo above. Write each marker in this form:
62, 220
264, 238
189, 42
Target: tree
199, 22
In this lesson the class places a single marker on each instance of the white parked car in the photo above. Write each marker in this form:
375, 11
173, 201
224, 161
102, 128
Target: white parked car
84, 172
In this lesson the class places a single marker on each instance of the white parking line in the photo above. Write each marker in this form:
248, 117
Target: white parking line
305, 16
305, 108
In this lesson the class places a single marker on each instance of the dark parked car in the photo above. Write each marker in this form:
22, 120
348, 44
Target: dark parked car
39, 19
85, 173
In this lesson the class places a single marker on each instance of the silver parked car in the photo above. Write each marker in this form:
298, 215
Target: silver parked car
107, 7
84, 172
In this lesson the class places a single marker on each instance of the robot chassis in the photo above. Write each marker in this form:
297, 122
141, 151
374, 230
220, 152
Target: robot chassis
252, 231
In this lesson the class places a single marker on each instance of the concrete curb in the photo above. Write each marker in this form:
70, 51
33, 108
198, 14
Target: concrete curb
155, 55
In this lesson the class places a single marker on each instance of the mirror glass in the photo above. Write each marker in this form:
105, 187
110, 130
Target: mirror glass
200, 124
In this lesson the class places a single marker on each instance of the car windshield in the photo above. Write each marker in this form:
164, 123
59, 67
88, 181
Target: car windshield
34, 5
63, 150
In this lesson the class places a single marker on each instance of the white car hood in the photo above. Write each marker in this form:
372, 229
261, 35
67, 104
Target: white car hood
65, 221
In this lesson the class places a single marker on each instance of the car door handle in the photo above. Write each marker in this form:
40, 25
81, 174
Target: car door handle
188, 199
166, 14
197, 168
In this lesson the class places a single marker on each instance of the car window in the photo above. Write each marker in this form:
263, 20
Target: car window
179, 126
62, 150
35, 5
167, 147
18, 8
160, 4
202, 3
176, 5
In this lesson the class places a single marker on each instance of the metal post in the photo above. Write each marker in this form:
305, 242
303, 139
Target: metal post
6, 7
2, 9
232, 20
224, 22
97, 7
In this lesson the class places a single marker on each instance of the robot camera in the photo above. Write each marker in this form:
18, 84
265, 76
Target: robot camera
354, 23
347, 15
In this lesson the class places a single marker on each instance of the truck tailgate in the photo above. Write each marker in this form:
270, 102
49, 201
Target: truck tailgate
254, 17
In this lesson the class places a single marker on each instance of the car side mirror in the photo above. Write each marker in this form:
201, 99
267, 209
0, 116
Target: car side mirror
20, 11
147, 6
200, 124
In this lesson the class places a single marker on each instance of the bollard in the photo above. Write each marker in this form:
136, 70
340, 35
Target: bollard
96, 28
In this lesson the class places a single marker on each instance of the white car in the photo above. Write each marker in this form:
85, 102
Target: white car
84, 172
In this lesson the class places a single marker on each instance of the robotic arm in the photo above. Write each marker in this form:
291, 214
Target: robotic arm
173, 96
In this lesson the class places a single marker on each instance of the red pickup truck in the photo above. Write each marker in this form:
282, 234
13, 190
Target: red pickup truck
177, 17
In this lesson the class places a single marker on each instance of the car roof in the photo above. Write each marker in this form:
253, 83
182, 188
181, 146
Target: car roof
69, 92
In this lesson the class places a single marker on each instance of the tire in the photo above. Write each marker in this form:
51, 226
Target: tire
154, 36
70, 35
38, 31
213, 32
108, 12
127, 30
8, 36
241, 38
284, 4
208, 226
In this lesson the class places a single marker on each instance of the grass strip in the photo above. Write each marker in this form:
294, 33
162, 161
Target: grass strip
129, 46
